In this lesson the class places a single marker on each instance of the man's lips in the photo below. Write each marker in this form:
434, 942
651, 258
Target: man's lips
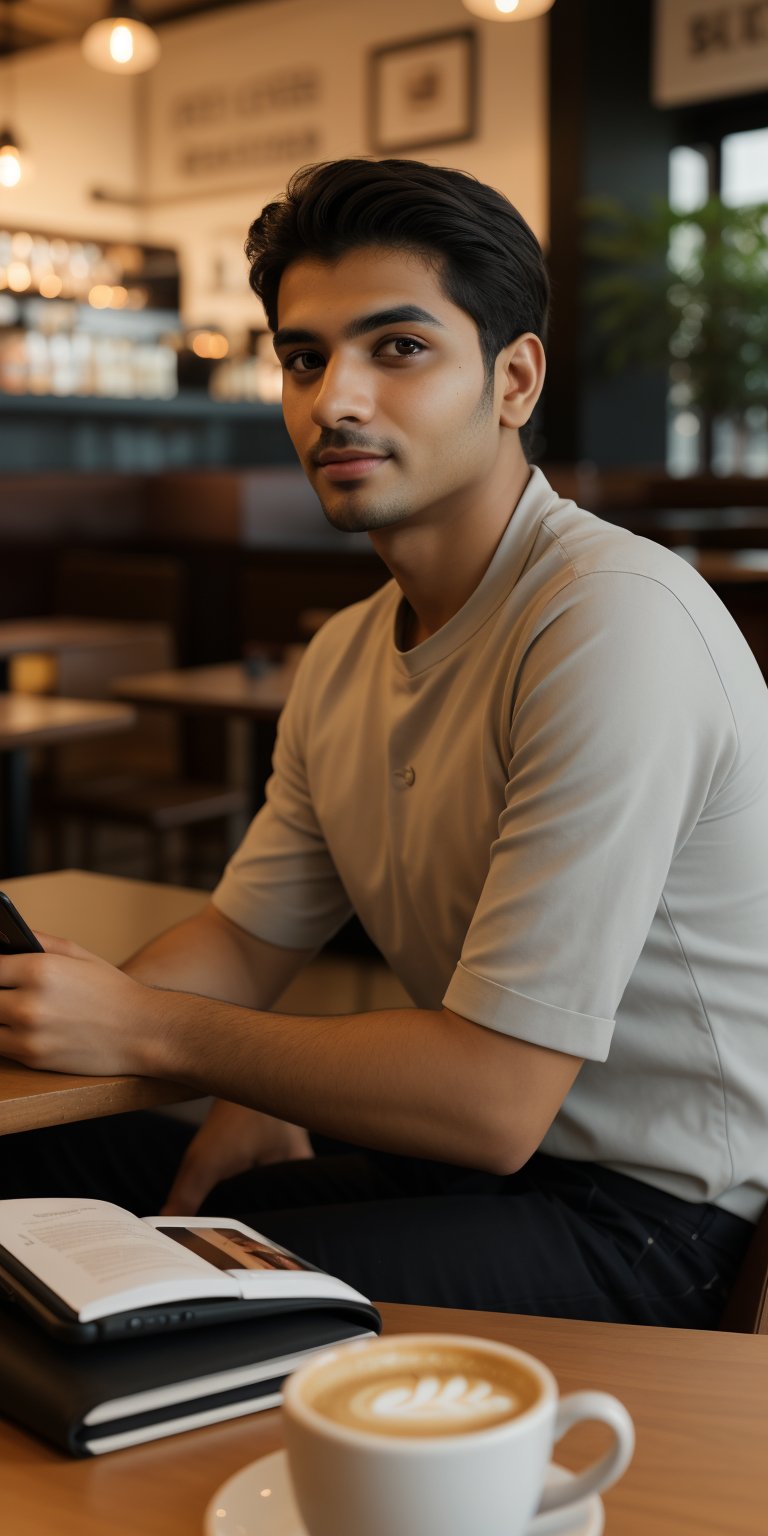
350, 465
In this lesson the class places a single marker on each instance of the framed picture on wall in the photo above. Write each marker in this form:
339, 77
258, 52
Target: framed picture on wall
423, 92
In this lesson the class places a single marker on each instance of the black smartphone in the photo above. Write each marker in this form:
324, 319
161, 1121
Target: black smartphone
15, 937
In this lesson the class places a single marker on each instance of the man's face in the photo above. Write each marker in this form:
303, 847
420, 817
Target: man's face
384, 389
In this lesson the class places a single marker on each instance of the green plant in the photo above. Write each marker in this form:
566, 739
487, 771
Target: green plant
685, 290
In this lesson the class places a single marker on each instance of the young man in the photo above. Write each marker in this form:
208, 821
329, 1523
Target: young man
535, 764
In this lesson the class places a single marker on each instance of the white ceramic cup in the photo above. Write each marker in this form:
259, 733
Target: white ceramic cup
488, 1482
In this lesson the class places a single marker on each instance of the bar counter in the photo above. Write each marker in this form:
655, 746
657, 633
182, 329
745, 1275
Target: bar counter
89, 432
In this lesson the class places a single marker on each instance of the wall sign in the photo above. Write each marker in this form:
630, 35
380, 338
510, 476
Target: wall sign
226, 132
709, 48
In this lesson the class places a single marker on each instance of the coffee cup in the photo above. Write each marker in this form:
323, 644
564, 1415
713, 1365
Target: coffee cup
439, 1435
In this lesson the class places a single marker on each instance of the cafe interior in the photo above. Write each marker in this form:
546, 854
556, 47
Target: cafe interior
164, 563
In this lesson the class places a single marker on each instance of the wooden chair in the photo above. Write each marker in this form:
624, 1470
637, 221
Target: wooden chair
161, 807
142, 781
279, 588
747, 1308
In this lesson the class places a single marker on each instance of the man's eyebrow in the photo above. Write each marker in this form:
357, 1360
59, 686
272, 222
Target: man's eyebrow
401, 314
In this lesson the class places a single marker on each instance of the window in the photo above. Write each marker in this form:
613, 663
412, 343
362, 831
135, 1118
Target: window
735, 168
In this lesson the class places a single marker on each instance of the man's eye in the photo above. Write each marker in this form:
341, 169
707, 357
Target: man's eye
401, 346
303, 362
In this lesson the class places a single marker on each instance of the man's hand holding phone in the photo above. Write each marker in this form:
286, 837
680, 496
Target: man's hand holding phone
63, 1009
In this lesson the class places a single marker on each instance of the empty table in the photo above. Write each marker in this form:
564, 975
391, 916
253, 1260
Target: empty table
227, 689
34, 720
73, 638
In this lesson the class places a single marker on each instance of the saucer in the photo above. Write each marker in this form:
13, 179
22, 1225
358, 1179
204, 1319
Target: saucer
258, 1501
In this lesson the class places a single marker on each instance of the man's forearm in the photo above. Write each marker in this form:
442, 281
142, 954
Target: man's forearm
420, 1082
209, 955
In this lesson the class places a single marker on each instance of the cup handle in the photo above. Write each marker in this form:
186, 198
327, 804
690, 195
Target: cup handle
602, 1473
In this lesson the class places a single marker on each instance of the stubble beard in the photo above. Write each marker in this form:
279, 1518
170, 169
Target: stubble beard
345, 516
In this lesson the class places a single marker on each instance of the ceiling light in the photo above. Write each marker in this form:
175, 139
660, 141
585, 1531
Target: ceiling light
10, 159
11, 167
122, 43
507, 10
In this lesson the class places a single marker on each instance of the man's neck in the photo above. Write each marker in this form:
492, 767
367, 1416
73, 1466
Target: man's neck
439, 561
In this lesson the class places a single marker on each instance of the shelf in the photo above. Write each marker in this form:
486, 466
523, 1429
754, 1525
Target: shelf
188, 405
88, 432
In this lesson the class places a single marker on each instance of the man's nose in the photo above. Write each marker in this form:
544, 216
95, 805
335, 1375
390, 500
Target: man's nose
343, 395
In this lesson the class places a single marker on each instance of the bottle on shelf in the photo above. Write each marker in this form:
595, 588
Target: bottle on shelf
78, 317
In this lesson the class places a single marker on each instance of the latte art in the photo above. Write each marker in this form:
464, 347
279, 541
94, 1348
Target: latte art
454, 1398
405, 1391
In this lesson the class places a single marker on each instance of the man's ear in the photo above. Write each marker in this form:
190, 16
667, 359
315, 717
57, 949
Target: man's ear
520, 370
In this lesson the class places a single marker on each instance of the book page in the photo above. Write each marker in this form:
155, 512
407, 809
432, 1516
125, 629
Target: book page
258, 1265
101, 1260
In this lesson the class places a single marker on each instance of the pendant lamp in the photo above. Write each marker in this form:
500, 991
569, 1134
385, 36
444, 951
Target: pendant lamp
121, 43
507, 10
11, 163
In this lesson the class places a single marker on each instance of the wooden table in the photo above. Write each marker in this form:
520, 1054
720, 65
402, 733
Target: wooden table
228, 690
722, 567
113, 917
34, 720
740, 578
224, 689
61, 635
699, 1401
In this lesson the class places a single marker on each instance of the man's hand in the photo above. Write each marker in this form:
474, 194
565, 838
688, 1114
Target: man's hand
68, 1011
231, 1140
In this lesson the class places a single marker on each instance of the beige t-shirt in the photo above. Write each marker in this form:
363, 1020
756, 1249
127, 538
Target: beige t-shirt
552, 815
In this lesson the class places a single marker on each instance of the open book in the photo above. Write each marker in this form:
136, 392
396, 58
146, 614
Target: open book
236, 1313
88, 1261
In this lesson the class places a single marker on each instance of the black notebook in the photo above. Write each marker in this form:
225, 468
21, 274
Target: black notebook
89, 1401
117, 1330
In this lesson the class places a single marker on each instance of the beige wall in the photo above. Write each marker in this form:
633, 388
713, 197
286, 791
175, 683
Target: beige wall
83, 128
77, 126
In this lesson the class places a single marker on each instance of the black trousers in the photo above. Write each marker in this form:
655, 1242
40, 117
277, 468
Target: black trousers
559, 1238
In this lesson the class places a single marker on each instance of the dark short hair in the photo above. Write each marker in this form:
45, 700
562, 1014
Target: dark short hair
489, 261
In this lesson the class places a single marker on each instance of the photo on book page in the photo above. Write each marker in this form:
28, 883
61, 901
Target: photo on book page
228, 1248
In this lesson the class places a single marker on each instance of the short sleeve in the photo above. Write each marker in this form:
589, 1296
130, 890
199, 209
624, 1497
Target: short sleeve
620, 731
281, 884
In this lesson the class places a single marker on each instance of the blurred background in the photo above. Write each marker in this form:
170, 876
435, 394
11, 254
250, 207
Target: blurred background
145, 476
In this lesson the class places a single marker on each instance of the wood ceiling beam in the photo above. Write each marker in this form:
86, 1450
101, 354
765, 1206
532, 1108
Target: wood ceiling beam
37, 22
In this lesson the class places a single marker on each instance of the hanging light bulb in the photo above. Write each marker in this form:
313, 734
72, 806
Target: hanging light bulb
508, 10
10, 159
121, 47
11, 164
121, 42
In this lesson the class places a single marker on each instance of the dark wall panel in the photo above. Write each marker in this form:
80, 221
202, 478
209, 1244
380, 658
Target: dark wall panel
607, 139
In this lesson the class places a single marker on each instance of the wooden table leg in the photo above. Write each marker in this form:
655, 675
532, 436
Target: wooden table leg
262, 745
